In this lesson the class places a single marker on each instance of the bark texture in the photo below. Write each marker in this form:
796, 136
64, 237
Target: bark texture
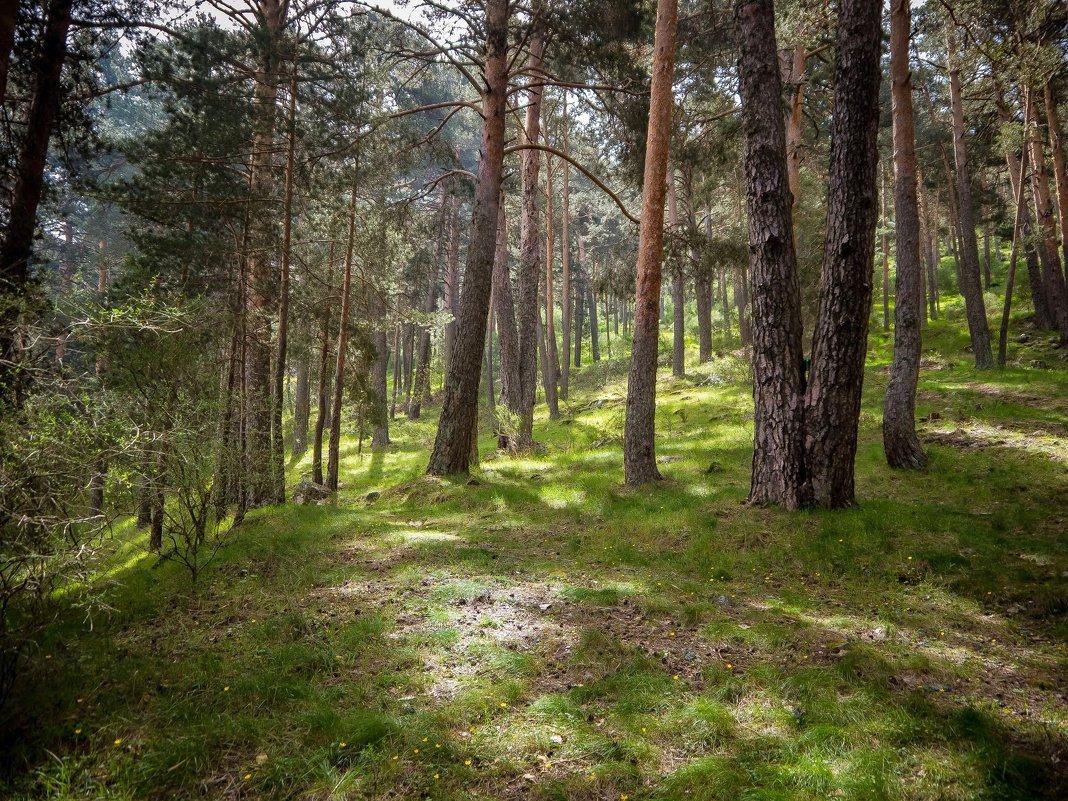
840, 340
900, 442
639, 455
778, 421
459, 409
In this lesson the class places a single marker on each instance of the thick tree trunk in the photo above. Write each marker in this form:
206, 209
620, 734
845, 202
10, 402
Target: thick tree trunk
459, 409
16, 246
840, 340
639, 453
333, 452
1049, 253
778, 387
974, 305
900, 442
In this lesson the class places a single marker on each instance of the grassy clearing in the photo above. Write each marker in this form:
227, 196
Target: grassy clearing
542, 632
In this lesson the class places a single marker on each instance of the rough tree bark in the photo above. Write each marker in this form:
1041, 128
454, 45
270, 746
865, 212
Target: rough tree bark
507, 333
840, 340
778, 421
459, 409
333, 452
900, 442
970, 287
1060, 168
639, 454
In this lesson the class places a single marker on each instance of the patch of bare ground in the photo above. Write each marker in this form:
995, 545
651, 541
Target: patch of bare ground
1047, 440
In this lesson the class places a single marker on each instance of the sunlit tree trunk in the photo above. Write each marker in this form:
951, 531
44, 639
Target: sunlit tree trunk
1049, 253
639, 454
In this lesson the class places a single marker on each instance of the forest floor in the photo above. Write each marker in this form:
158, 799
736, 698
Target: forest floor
542, 632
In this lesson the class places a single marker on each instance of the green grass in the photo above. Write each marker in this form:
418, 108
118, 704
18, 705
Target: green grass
546, 633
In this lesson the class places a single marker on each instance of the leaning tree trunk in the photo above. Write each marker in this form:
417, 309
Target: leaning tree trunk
778, 418
16, 247
900, 442
1010, 278
970, 286
1043, 315
840, 340
333, 452
459, 408
639, 453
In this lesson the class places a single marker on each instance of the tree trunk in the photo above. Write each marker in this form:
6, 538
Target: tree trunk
1043, 315
793, 124
1049, 253
396, 354
678, 290
778, 387
900, 442
262, 293
459, 409
1016, 231
530, 237
333, 454
974, 305
1060, 168
452, 275
840, 340
422, 365
16, 247
301, 406
504, 311
595, 345
553, 377
885, 245
639, 454
565, 262
491, 395
380, 437
579, 281
278, 455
